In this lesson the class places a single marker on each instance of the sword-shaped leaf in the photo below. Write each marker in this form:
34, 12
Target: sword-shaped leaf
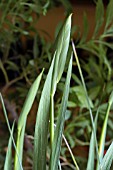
104, 130
109, 14
23, 117
108, 158
99, 16
61, 47
91, 156
56, 145
42, 123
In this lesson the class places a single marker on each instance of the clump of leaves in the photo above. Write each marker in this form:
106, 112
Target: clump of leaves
45, 111
103, 161
96, 61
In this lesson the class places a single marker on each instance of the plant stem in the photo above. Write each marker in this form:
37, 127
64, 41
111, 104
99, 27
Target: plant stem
59, 165
4, 72
71, 153
10, 83
90, 111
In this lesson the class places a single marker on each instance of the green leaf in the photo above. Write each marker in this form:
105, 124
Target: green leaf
61, 46
108, 158
6, 117
8, 159
99, 16
109, 14
7, 6
42, 124
60, 123
76, 79
93, 92
35, 8
91, 156
12, 66
79, 90
86, 29
104, 129
90, 164
23, 117
72, 104
105, 43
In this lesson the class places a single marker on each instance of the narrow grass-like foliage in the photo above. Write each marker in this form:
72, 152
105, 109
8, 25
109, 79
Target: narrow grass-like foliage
22, 119
103, 163
56, 145
91, 156
88, 102
61, 47
46, 105
104, 130
45, 109
42, 124
107, 160
11, 135
8, 160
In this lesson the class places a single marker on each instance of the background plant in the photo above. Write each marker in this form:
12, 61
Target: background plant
94, 55
17, 25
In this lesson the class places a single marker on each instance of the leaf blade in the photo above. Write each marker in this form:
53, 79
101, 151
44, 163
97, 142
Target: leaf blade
42, 123
61, 46
60, 123
104, 129
99, 16
91, 156
23, 117
108, 158
109, 14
